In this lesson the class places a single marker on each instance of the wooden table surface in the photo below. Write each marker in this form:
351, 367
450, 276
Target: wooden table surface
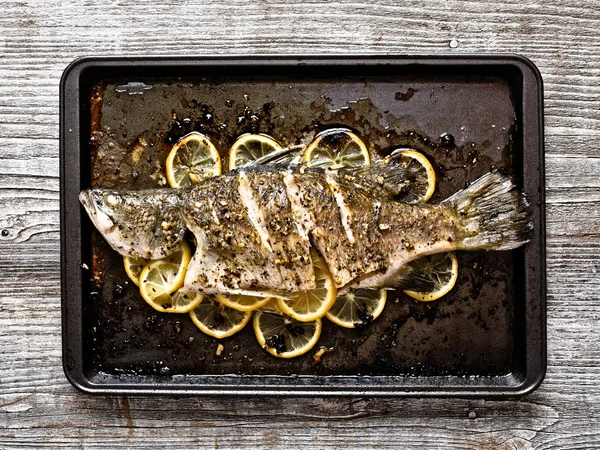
39, 408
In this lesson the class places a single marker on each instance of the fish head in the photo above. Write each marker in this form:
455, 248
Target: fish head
143, 224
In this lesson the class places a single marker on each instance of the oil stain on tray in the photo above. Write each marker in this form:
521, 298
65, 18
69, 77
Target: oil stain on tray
134, 124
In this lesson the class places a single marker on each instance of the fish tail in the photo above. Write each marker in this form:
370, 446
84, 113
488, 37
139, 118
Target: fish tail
495, 215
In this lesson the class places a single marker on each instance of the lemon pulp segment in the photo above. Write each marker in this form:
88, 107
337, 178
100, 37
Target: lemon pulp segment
162, 277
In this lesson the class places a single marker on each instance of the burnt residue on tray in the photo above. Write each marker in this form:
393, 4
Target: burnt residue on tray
134, 124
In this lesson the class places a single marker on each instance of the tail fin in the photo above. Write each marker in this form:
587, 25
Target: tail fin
496, 216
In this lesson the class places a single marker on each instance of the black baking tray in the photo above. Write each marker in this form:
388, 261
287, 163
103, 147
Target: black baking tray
466, 113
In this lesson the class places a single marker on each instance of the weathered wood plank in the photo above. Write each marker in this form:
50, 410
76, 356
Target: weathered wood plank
39, 38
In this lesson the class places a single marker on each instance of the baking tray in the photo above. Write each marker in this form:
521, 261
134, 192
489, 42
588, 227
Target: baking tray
467, 114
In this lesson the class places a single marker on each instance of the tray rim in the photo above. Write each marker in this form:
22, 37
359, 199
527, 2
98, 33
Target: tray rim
437, 386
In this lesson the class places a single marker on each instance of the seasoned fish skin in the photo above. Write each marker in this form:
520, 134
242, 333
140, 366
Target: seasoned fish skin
286, 239
343, 223
232, 255
254, 226
408, 233
313, 199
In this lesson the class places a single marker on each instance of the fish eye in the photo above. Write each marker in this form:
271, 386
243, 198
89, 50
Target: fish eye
111, 200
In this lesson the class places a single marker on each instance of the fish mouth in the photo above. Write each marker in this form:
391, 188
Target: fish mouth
85, 197
101, 220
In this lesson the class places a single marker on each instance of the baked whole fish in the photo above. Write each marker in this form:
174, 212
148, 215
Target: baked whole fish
254, 226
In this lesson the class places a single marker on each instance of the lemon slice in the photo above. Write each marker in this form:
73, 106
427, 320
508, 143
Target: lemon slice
158, 280
180, 301
133, 268
243, 302
218, 320
162, 277
442, 269
358, 308
420, 176
283, 336
336, 147
314, 304
192, 159
250, 147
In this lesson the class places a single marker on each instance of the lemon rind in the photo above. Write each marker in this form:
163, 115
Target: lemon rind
260, 302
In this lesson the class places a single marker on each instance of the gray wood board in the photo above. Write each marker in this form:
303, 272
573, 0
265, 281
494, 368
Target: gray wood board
38, 408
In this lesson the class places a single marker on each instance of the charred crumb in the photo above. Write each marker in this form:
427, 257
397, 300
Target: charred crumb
407, 244
425, 313
447, 139
395, 328
118, 291
316, 359
295, 330
277, 342
249, 121
405, 96
365, 318
472, 157
202, 122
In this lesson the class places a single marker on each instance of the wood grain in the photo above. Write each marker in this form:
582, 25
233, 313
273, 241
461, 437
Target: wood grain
38, 408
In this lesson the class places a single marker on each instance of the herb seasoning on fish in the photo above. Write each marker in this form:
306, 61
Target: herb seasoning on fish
254, 226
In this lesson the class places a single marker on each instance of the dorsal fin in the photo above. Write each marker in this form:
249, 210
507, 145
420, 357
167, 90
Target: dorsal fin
387, 177
291, 155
